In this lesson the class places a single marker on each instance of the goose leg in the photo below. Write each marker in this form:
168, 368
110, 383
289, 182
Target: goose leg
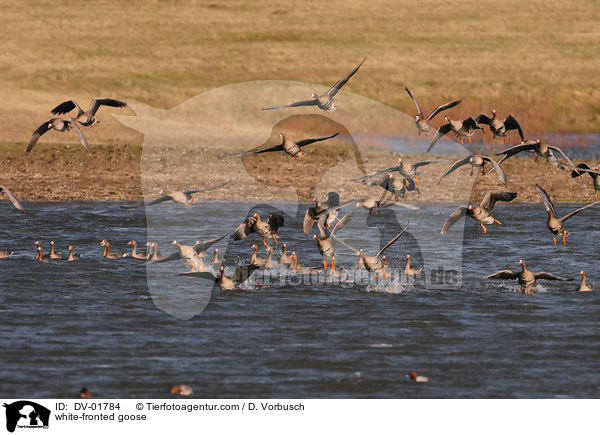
554, 238
302, 155
416, 180
265, 243
275, 238
371, 211
483, 228
384, 277
461, 141
469, 138
596, 195
324, 264
565, 239
379, 210
482, 170
194, 200
497, 221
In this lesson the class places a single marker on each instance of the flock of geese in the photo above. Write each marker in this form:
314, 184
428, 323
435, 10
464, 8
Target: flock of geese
397, 180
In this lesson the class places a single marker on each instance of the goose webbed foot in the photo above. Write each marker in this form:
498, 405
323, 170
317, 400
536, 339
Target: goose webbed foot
483, 228
497, 221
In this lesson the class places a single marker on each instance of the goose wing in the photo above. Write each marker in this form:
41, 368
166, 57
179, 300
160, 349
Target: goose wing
206, 275
453, 218
442, 108
574, 212
278, 147
345, 244
501, 174
504, 274
549, 276
242, 273
335, 88
557, 149
205, 189
37, 134
305, 142
97, 102
490, 199
312, 102
66, 107
511, 123
454, 166
4, 191
203, 246
343, 221
545, 198
170, 257
275, 221
390, 243
419, 111
444, 129
482, 118
509, 152
245, 228
82, 138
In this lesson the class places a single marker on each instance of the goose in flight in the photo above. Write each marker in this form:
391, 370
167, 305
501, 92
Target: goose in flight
593, 172
325, 101
482, 212
323, 212
289, 146
325, 241
460, 129
265, 229
554, 223
86, 118
526, 277
537, 148
406, 169
476, 161
500, 127
5, 193
421, 122
373, 263
58, 125
179, 196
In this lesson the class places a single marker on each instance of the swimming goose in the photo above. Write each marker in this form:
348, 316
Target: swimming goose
106, 252
5, 193
554, 223
583, 287
141, 255
499, 127
153, 253
72, 256
526, 278
373, 264
325, 242
58, 125
482, 212
182, 390
85, 393
87, 118
476, 161
325, 101
40, 256
413, 376
406, 169
269, 262
255, 259
216, 258
180, 196
199, 249
265, 229
284, 258
459, 128
593, 172
54, 255
411, 270
6, 254
298, 268
536, 147
289, 146
421, 122
242, 273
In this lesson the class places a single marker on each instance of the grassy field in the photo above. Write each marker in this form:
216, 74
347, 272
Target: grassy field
538, 60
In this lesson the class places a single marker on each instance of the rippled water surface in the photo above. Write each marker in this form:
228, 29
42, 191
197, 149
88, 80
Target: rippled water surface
95, 322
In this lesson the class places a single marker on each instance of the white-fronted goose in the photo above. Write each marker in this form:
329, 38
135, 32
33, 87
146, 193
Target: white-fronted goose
58, 125
411, 270
583, 287
54, 255
397, 186
459, 128
285, 258
6, 254
323, 212
269, 262
554, 223
88, 117
140, 255
406, 169
295, 266
482, 212
537, 148
108, 254
5, 193
289, 146
216, 258
190, 256
476, 161
325, 101
499, 127
594, 173
373, 203
180, 196
373, 264
526, 278
255, 259
182, 390
325, 242
421, 122
40, 256
199, 248
72, 256
266, 230
153, 254
242, 273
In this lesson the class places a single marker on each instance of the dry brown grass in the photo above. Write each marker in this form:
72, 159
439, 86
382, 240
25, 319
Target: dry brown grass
537, 59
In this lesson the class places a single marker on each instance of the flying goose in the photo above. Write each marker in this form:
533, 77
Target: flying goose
536, 147
373, 264
421, 122
323, 212
106, 253
58, 125
554, 223
594, 173
476, 161
411, 270
191, 257
8, 195
289, 146
253, 224
181, 197
199, 249
406, 169
87, 118
325, 242
459, 128
583, 287
482, 212
526, 278
325, 101
72, 256
499, 127
399, 187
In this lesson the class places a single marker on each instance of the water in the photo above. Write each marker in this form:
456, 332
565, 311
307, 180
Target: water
95, 322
